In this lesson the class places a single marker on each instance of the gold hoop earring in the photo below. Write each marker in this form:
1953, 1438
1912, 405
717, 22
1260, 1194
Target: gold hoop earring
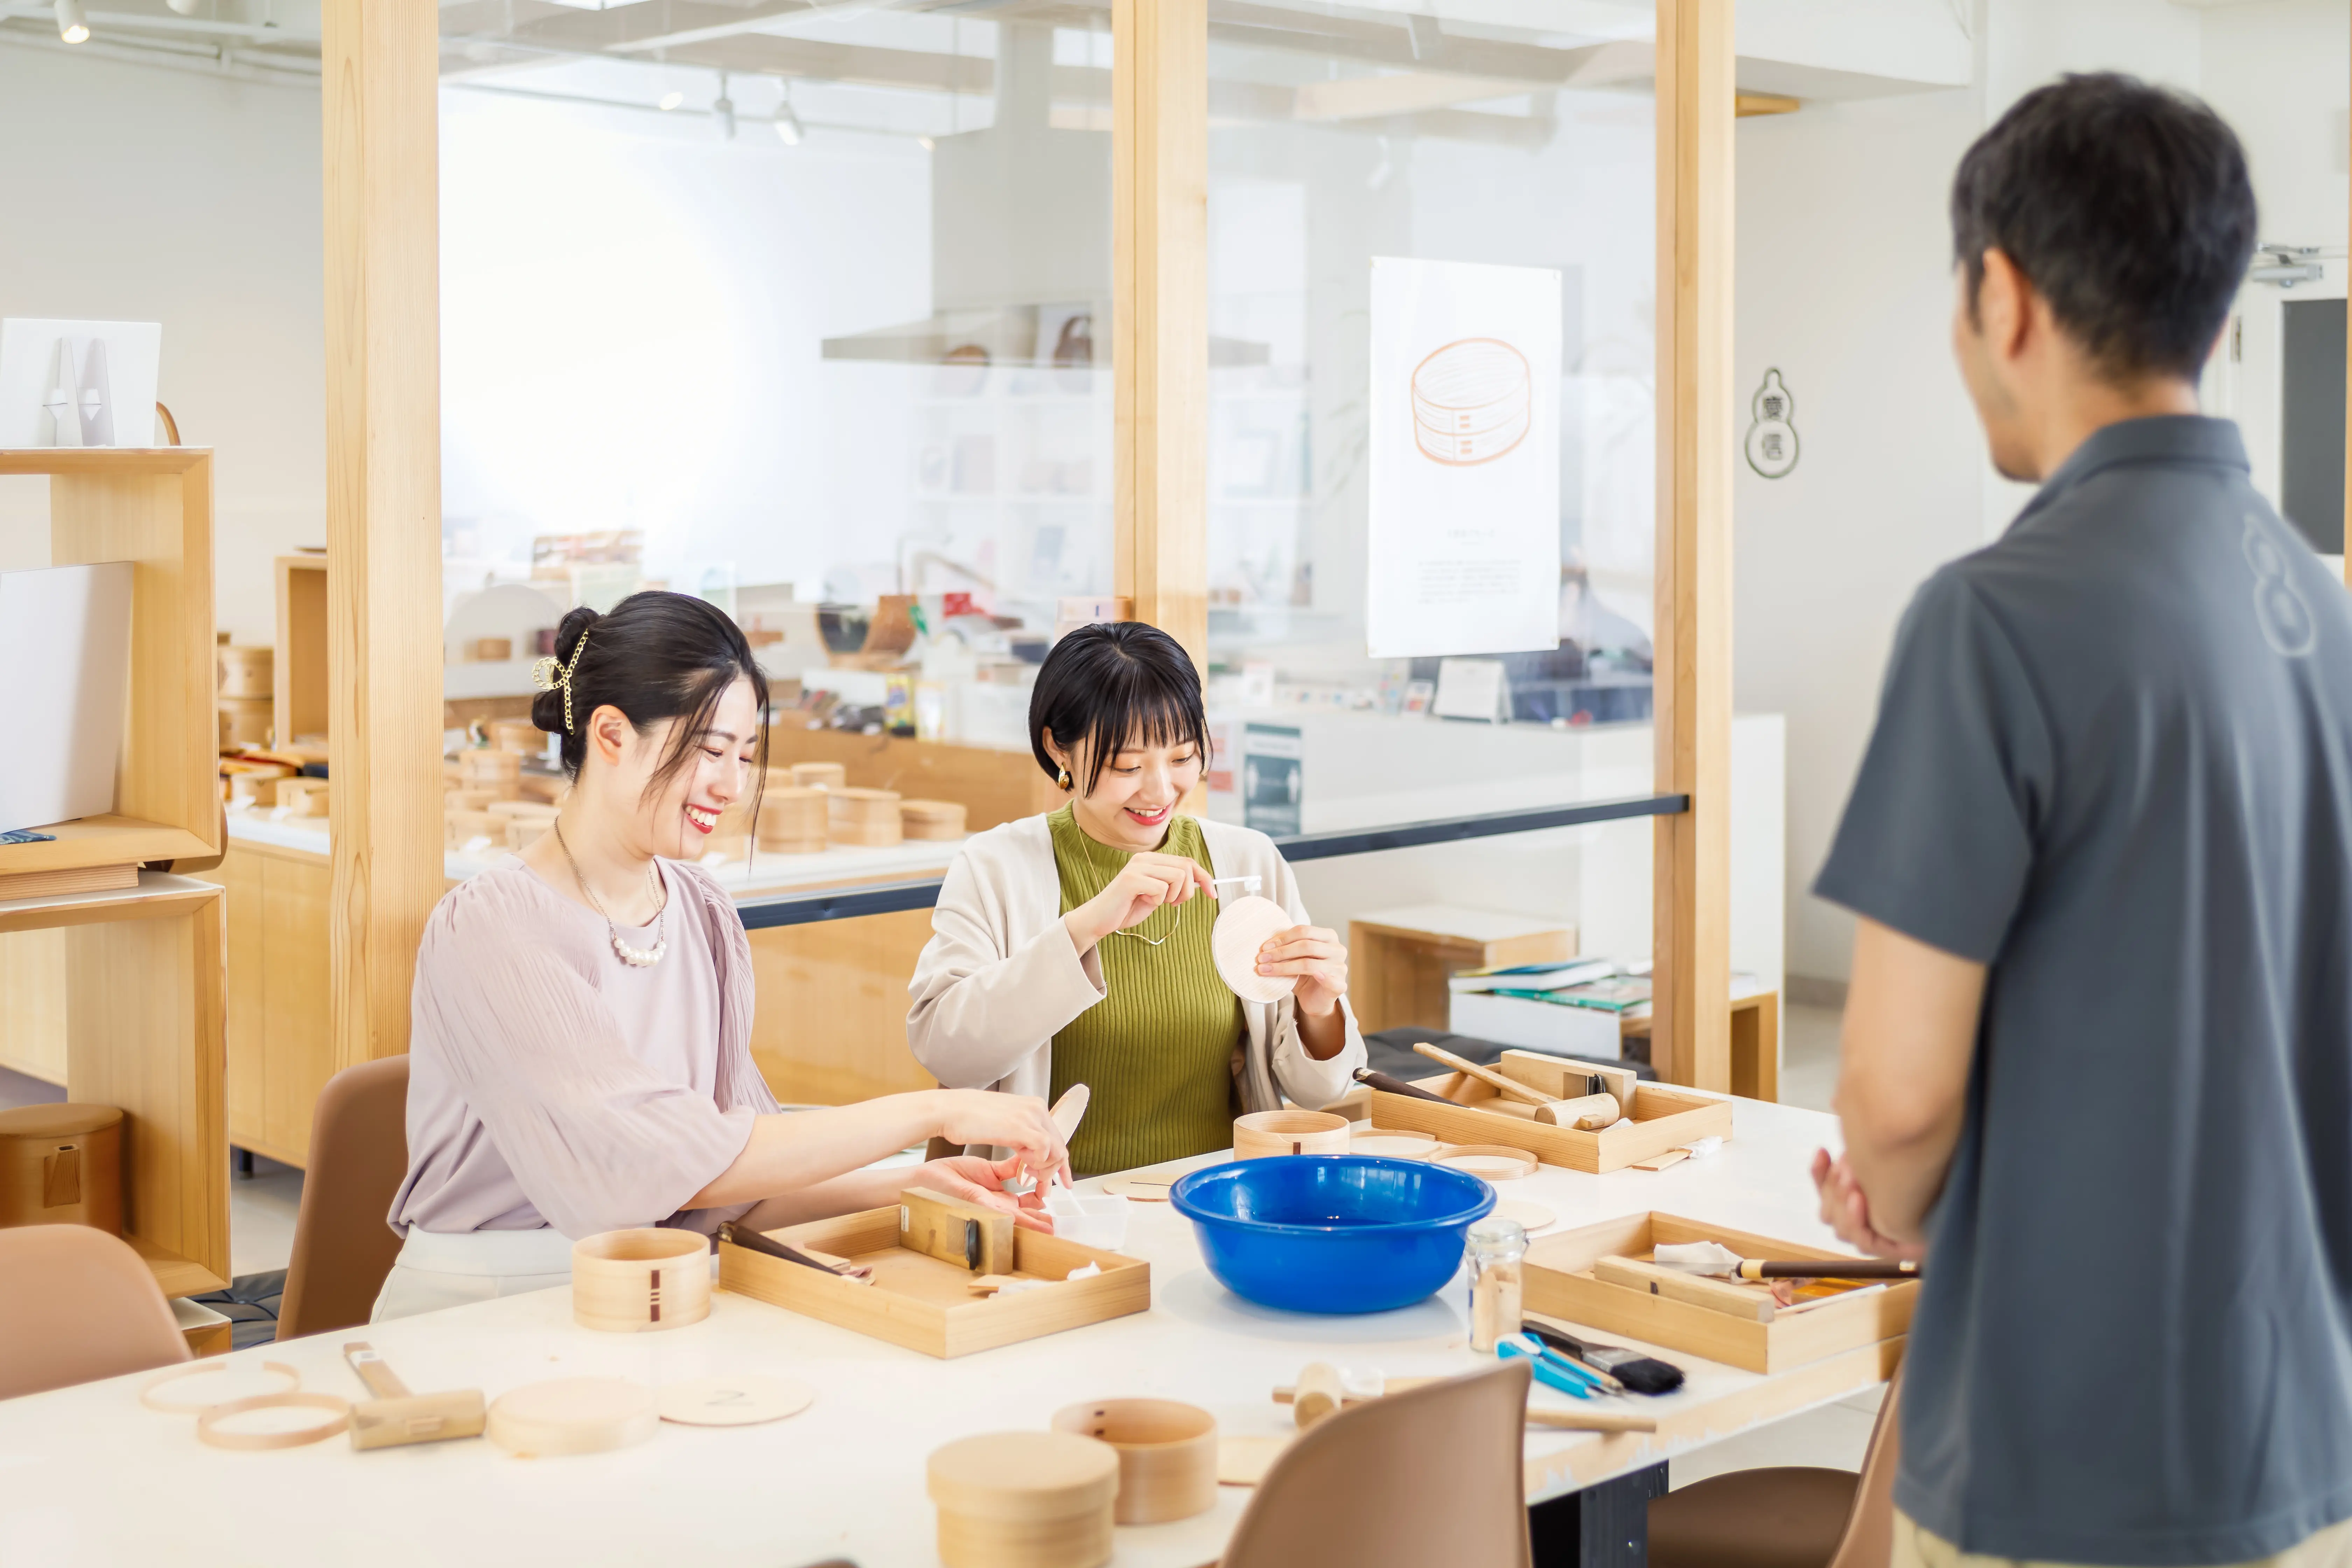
1064, 781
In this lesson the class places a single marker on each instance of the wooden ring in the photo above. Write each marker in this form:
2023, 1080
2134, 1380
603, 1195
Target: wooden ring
1493, 1162
198, 1369
208, 1420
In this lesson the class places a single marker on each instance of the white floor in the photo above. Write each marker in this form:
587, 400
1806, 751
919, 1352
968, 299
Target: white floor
261, 1237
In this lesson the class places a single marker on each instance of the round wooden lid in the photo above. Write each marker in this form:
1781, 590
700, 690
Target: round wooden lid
785, 792
573, 1416
929, 809
851, 793
1023, 1475
742, 1400
64, 1120
1244, 925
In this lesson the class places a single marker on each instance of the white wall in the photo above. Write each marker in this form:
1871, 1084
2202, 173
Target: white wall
192, 200
1843, 281
1844, 287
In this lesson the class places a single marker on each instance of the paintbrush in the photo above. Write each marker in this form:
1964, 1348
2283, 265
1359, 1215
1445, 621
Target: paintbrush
1714, 1260
1387, 1085
1636, 1372
751, 1240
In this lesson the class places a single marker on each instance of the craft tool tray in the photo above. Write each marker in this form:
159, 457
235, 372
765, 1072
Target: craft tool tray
1709, 1321
926, 1304
1664, 1116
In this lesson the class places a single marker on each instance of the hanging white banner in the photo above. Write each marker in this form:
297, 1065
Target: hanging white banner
1464, 426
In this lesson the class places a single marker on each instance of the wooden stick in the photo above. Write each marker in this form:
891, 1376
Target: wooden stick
1557, 1420
1486, 1076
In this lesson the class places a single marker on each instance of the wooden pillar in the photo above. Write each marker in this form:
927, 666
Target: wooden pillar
1159, 312
1691, 1035
380, 101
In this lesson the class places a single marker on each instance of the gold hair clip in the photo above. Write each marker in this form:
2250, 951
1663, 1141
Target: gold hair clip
548, 675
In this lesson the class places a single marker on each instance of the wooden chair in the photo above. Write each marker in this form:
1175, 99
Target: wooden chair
343, 1247
75, 1305
1430, 1476
1787, 1516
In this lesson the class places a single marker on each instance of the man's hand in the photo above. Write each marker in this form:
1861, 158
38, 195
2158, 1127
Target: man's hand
1845, 1209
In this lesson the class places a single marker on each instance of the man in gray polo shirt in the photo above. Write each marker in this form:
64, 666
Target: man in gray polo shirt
2098, 1041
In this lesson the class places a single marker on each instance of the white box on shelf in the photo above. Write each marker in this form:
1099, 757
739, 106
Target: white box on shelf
1559, 1028
65, 645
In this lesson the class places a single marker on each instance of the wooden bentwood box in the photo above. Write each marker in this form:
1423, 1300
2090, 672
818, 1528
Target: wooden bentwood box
1664, 1116
1561, 1282
926, 1304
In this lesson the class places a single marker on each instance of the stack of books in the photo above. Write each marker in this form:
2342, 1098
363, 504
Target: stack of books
1571, 1009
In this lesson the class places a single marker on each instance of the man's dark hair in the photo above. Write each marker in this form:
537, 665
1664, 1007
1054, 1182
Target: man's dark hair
1116, 684
2126, 205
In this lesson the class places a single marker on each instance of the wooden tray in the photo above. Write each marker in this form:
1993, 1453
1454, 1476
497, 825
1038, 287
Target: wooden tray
1559, 1284
1663, 1117
927, 1305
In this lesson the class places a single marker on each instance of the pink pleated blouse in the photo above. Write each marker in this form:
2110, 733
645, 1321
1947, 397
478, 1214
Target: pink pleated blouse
550, 1084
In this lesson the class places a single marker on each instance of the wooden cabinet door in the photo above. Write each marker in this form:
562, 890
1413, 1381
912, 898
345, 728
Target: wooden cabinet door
300, 1048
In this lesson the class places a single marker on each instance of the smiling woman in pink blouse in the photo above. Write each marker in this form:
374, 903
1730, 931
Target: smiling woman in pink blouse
578, 1039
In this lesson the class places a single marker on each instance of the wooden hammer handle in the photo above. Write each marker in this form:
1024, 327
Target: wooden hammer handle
1486, 1076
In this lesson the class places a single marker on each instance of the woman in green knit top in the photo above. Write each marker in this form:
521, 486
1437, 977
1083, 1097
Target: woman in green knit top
1073, 947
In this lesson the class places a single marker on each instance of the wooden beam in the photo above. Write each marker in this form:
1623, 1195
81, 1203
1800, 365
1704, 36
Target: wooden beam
383, 509
1160, 313
1691, 1032
1750, 104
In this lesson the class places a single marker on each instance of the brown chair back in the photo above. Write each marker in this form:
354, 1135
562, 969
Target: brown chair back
1869, 1538
1430, 1476
343, 1247
77, 1304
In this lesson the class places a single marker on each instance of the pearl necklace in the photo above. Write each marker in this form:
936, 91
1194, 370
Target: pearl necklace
635, 957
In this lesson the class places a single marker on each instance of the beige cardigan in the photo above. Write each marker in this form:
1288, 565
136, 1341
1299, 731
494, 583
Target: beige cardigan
1000, 976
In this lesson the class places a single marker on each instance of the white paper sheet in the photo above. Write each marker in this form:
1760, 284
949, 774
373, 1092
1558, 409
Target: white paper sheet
65, 645
1465, 431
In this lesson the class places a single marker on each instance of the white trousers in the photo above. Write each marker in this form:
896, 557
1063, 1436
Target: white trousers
434, 1272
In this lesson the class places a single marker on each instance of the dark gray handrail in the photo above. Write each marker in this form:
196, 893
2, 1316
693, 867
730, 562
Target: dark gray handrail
921, 893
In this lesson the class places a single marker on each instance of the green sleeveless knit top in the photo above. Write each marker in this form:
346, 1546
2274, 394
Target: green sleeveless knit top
1157, 1050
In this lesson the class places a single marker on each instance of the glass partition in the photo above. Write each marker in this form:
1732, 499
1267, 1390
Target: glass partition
1351, 679
805, 310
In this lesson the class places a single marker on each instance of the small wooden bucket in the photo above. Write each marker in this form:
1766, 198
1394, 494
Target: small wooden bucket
1268, 1132
820, 775
1167, 1455
1024, 1500
636, 1281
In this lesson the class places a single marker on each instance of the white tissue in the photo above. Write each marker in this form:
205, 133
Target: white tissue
1697, 1257
1705, 1146
1084, 1271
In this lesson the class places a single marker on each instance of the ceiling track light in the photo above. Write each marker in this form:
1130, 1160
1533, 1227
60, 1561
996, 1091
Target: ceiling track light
73, 25
788, 124
722, 109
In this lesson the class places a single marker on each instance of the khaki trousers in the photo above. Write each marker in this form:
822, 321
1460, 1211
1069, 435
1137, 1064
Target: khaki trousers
1916, 1548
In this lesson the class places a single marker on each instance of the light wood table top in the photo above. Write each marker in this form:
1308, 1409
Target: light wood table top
89, 1476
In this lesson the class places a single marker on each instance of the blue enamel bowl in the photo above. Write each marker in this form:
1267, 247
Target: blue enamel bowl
1331, 1233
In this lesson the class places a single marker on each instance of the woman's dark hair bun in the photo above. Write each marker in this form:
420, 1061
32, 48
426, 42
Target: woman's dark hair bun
656, 656
546, 707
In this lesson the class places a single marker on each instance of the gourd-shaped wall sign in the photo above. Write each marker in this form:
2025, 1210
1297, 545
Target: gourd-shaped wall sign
1773, 437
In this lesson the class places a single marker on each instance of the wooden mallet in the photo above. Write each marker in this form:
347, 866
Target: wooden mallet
1591, 1114
395, 1416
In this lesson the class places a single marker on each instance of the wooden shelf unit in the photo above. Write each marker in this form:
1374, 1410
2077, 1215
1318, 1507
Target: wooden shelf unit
299, 674
154, 508
133, 982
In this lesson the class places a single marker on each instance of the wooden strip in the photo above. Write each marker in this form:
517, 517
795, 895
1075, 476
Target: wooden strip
1159, 328
1738, 1300
1691, 1032
380, 109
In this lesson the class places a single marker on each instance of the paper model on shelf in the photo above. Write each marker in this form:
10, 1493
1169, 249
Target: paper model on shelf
1464, 549
77, 384
65, 644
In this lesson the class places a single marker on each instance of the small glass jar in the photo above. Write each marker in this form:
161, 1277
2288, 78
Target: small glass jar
1496, 1249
